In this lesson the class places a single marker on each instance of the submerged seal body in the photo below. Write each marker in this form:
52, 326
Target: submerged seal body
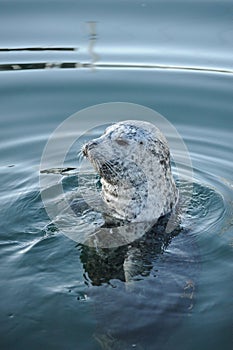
133, 160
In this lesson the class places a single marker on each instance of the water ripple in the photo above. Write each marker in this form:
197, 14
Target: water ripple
90, 65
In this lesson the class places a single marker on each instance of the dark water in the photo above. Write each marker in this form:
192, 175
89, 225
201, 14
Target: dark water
174, 57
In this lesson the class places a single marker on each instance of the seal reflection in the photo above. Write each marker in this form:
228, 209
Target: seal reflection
129, 262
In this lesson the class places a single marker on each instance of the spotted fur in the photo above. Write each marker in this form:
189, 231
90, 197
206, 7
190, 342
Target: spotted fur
133, 161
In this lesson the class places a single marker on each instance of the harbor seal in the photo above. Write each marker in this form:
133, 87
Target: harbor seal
133, 160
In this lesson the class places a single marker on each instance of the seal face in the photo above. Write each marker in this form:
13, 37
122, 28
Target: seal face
133, 160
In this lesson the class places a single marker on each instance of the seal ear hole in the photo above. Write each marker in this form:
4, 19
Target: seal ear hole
121, 142
141, 142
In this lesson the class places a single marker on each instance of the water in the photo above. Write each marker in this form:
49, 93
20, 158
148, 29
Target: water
174, 57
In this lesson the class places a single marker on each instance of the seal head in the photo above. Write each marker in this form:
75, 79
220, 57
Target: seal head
133, 160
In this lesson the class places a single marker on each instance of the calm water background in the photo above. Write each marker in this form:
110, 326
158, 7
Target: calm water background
172, 56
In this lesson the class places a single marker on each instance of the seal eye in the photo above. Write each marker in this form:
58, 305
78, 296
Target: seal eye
121, 142
141, 142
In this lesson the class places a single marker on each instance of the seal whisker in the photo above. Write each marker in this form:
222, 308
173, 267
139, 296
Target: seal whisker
111, 168
112, 171
80, 155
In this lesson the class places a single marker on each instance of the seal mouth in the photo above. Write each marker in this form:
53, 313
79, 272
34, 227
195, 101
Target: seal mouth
109, 170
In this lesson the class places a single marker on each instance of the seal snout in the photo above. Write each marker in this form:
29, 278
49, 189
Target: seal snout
88, 146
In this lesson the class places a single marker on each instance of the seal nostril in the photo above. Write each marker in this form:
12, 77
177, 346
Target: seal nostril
88, 146
91, 145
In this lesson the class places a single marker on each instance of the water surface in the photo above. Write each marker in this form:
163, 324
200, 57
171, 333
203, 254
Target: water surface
54, 293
